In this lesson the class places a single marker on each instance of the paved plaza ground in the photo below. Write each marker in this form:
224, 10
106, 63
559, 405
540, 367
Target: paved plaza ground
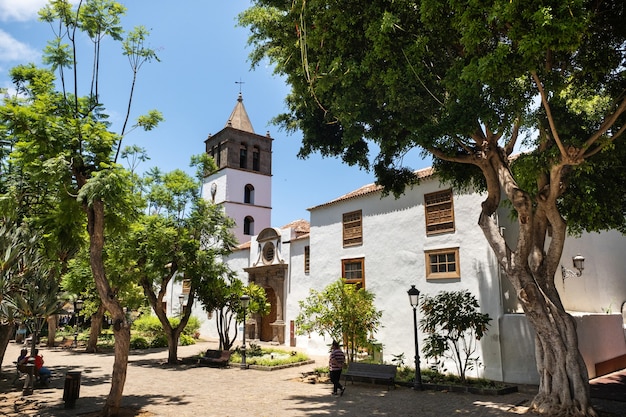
154, 388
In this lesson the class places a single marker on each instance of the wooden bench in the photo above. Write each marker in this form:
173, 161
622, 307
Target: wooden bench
216, 358
371, 371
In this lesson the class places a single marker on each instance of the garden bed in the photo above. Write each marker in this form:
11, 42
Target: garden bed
436, 381
277, 367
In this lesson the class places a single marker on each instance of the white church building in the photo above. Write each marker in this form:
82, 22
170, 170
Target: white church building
429, 237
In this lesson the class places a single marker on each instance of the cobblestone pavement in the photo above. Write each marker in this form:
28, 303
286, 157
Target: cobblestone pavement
154, 388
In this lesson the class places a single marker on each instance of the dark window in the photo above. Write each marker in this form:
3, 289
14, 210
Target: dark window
256, 159
307, 259
248, 196
243, 157
248, 226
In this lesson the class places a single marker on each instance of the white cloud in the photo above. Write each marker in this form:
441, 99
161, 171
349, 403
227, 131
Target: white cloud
13, 50
20, 10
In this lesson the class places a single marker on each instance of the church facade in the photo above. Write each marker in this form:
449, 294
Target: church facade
428, 237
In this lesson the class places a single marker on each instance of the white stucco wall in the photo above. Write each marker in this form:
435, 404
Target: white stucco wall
230, 192
394, 241
602, 286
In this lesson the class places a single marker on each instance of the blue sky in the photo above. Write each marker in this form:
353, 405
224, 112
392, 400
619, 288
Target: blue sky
203, 54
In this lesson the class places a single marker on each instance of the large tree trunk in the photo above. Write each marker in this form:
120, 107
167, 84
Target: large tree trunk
531, 267
94, 330
6, 331
156, 302
172, 344
52, 329
108, 297
564, 383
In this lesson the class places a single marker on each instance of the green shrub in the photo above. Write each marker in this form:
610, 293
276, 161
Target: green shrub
159, 341
192, 327
139, 342
149, 326
265, 357
186, 340
453, 324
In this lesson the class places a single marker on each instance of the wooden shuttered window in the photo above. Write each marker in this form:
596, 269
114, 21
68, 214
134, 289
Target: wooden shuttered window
439, 212
352, 228
307, 259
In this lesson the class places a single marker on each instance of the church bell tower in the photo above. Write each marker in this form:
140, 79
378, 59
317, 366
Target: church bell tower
243, 181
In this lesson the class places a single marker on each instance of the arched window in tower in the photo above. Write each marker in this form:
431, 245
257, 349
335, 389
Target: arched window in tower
248, 226
248, 196
243, 156
256, 159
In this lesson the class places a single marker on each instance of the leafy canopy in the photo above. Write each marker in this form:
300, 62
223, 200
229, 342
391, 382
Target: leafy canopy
457, 79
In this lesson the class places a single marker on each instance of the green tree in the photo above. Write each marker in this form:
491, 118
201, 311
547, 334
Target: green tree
453, 322
12, 247
61, 137
468, 83
78, 283
184, 237
223, 297
345, 312
29, 281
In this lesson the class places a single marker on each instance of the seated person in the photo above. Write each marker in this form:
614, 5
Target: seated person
23, 355
43, 372
22, 360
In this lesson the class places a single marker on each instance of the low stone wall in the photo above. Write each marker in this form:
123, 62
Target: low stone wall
600, 340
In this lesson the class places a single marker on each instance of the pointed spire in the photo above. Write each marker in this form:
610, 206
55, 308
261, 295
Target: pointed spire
239, 117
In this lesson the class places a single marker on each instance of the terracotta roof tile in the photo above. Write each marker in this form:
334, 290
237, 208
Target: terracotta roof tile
301, 226
371, 188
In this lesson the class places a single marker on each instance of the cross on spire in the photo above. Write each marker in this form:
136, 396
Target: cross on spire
239, 82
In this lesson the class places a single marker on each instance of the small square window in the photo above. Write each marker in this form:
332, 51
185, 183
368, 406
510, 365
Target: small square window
442, 264
353, 271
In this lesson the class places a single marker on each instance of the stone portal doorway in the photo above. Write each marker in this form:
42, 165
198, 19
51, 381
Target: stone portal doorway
266, 330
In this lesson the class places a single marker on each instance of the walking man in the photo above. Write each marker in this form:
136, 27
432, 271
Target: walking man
335, 365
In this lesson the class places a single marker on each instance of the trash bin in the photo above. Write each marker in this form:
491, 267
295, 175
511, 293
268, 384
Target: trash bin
71, 389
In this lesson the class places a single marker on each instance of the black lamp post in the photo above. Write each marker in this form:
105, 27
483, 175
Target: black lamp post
245, 300
78, 305
414, 295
